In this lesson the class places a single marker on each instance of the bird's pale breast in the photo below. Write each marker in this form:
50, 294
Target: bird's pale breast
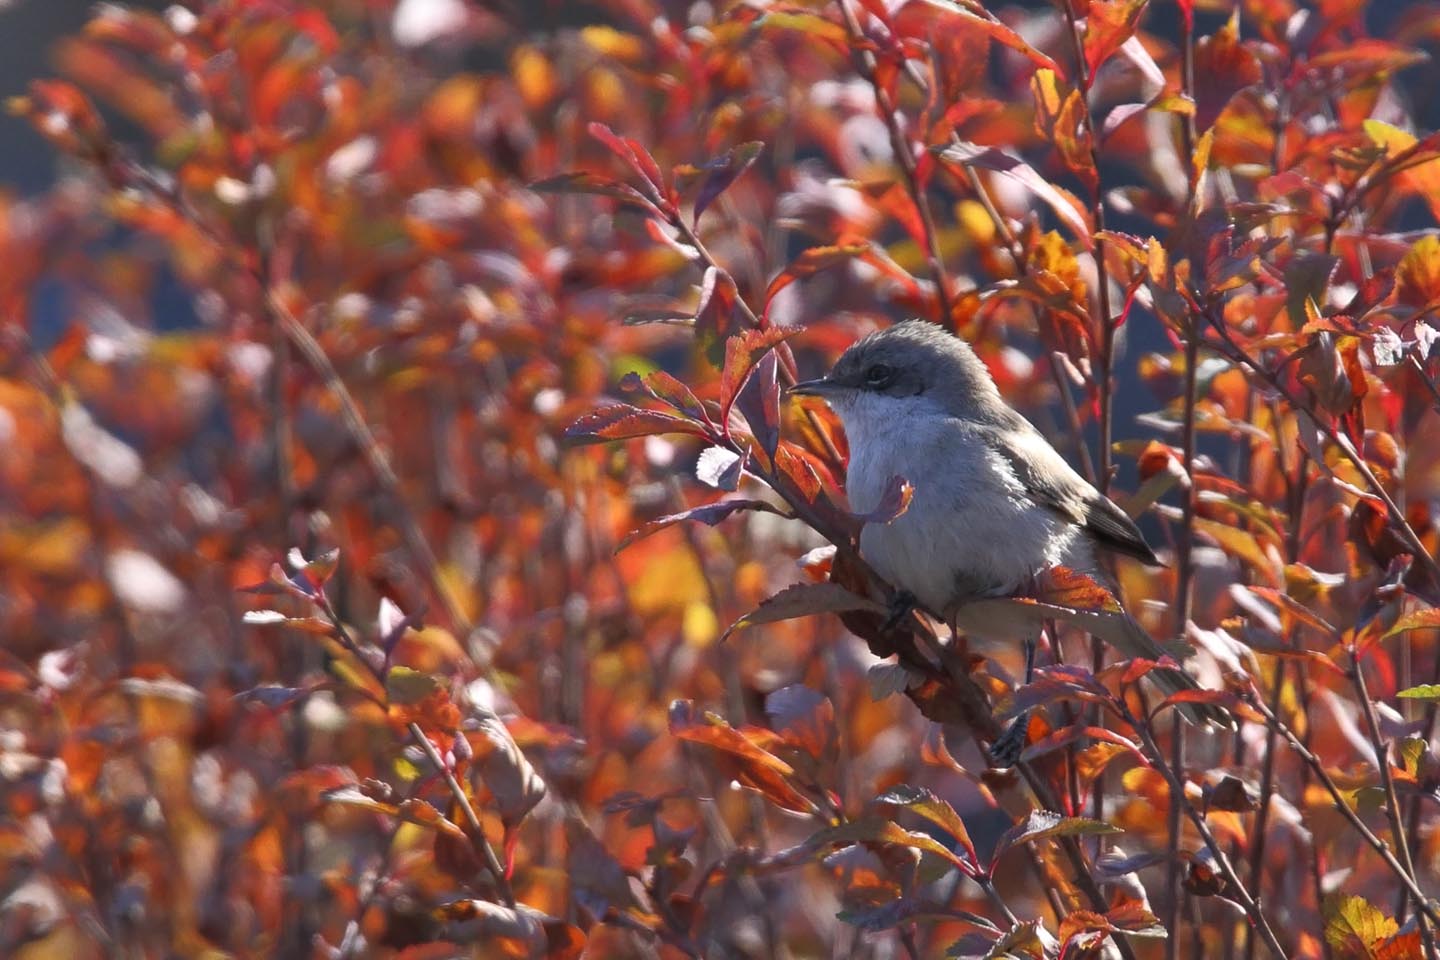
970, 531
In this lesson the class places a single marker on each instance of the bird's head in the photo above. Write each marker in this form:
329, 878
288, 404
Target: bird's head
912, 368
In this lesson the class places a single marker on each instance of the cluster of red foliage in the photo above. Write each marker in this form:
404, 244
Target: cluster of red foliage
358, 413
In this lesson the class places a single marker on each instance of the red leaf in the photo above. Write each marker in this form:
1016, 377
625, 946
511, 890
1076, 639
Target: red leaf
1074, 733
591, 183
991, 158
634, 154
759, 402
715, 314
742, 352
755, 766
1070, 588
793, 464
723, 171
1003, 34
1107, 26
1219, 698
620, 421
813, 261
805, 718
668, 390
926, 804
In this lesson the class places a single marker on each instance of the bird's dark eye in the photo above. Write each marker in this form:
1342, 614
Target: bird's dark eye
879, 374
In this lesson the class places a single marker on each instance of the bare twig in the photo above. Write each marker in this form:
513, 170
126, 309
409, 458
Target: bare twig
1346, 811
1235, 887
477, 830
1297, 490
1183, 581
900, 145
1392, 803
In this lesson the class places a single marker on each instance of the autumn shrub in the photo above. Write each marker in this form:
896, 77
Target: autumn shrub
409, 548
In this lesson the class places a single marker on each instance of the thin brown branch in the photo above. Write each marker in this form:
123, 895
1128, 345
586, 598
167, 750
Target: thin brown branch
1235, 887
477, 830
1387, 782
866, 64
1346, 811
1297, 491
1183, 583
1393, 514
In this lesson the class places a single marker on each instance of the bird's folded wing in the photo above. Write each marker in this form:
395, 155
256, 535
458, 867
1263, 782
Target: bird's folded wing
1054, 483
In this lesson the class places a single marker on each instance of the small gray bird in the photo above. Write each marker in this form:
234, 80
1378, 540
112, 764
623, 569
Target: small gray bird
994, 504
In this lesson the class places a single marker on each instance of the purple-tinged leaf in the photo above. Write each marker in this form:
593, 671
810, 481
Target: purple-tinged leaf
803, 600
594, 185
742, 352
1045, 824
759, 401
894, 501
881, 830
723, 171
668, 390
814, 260
715, 315
1002, 163
634, 154
709, 514
924, 803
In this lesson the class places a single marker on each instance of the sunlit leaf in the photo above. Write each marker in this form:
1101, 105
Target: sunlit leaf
803, 600
709, 514
926, 804
992, 158
620, 421
755, 767
1354, 927
1045, 825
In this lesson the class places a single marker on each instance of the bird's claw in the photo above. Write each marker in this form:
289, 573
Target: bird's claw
902, 604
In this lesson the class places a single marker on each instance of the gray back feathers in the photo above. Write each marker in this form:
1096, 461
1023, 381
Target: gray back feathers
916, 358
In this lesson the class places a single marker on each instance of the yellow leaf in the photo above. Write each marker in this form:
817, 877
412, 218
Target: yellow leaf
612, 43
700, 626
1354, 927
534, 77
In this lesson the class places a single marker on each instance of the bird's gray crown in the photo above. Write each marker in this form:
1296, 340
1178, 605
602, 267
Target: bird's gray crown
917, 357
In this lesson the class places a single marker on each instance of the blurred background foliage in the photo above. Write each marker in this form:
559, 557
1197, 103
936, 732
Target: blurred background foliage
316, 637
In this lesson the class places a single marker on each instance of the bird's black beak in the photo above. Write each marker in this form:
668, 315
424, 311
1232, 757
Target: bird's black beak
814, 388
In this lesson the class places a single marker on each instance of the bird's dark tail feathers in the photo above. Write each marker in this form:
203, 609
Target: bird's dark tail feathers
1201, 714
1128, 637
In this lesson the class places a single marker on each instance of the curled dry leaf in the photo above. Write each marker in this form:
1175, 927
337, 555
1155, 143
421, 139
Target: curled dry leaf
755, 767
503, 768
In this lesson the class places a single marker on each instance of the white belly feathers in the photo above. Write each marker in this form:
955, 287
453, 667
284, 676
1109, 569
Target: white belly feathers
970, 531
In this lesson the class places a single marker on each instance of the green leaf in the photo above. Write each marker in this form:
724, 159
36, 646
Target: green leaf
406, 687
1419, 620
1426, 691
1046, 824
